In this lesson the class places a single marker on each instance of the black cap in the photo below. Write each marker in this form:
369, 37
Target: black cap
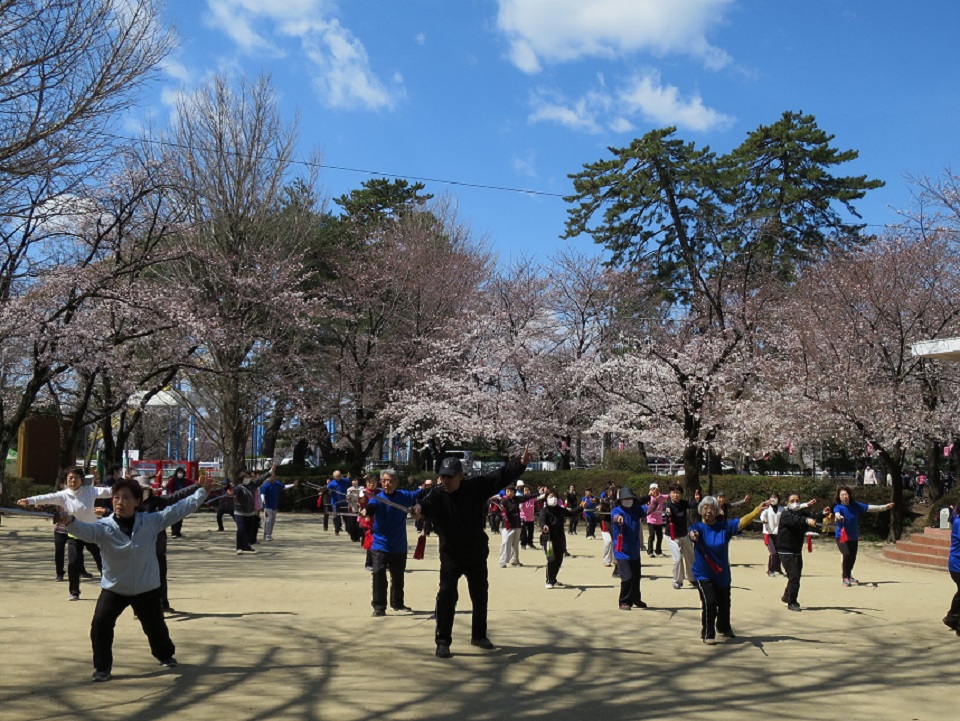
451, 466
626, 493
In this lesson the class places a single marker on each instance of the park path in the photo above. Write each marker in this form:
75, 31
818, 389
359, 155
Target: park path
287, 634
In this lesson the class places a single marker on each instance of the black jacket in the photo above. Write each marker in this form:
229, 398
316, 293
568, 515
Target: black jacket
792, 530
458, 517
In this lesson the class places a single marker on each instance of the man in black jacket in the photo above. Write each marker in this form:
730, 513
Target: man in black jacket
794, 523
456, 509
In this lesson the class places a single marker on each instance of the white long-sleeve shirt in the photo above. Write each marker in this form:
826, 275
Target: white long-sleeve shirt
78, 503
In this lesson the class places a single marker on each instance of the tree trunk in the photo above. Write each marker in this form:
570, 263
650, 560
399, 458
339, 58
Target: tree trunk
233, 430
644, 462
272, 430
934, 452
691, 470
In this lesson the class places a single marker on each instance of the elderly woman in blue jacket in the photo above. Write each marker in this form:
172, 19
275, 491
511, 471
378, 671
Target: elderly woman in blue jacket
711, 565
131, 572
627, 541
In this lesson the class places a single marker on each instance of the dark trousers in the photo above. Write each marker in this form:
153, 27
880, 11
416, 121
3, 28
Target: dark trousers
848, 551
793, 565
220, 514
655, 531
337, 524
494, 519
714, 609
448, 595
75, 561
60, 550
953, 615
591, 525
162, 562
629, 570
574, 522
554, 562
245, 531
773, 561
353, 528
150, 614
176, 528
526, 534
396, 564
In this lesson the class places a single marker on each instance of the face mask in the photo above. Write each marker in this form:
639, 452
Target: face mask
794, 506
627, 503
552, 501
774, 501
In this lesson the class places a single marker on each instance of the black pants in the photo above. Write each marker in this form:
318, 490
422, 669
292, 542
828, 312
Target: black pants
162, 562
396, 564
337, 524
574, 522
591, 526
654, 530
353, 528
555, 561
448, 595
175, 529
714, 609
245, 531
793, 566
848, 551
60, 551
75, 561
526, 534
629, 581
494, 519
150, 614
953, 615
220, 514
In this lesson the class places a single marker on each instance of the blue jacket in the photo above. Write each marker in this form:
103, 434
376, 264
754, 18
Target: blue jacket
390, 524
955, 545
271, 491
714, 541
130, 565
631, 530
851, 519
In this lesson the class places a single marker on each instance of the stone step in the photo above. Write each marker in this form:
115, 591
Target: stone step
925, 560
930, 549
931, 540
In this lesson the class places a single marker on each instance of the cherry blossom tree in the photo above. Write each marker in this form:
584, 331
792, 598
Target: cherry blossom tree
844, 341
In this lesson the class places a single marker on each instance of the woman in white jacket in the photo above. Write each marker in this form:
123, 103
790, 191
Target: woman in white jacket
78, 500
131, 573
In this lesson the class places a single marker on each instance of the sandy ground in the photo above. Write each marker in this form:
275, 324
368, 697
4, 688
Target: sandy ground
287, 634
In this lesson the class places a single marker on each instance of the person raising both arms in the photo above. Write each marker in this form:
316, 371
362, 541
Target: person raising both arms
846, 514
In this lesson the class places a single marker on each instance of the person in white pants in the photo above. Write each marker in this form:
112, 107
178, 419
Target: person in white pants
510, 530
676, 514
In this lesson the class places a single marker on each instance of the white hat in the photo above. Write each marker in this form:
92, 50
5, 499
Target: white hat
654, 485
144, 481
519, 484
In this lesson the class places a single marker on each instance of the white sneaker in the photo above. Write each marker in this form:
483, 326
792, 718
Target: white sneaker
549, 585
239, 551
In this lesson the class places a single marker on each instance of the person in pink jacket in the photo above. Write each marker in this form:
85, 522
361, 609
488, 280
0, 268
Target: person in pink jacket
655, 521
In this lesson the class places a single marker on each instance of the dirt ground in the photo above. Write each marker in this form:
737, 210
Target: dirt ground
287, 634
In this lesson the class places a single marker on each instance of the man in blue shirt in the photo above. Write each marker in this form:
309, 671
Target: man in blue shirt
389, 549
270, 493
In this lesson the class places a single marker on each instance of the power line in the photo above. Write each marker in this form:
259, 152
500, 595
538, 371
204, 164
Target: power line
347, 169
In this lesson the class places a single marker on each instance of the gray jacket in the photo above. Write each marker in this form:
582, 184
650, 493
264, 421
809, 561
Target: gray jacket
130, 565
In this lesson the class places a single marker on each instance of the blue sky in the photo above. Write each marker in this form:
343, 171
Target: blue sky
520, 93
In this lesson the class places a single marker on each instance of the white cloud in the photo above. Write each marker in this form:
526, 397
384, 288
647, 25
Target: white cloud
420, 39
343, 75
663, 104
643, 97
526, 165
554, 31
